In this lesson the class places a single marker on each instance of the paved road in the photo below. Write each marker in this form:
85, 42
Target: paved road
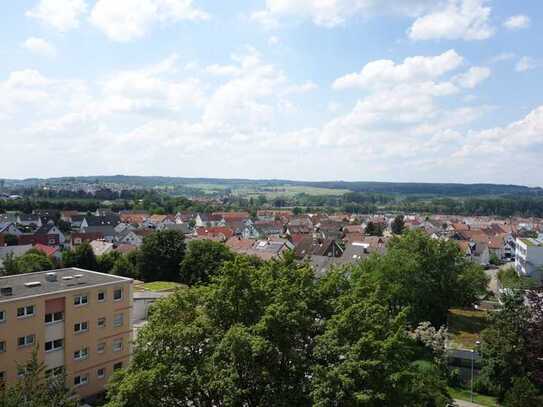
462, 403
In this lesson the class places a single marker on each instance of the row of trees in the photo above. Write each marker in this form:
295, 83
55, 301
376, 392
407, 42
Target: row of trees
162, 257
512, 351
272, 334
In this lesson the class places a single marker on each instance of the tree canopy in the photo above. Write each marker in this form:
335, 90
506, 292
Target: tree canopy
203, 260
512, 347
82, 256
35, 389
160, 256
273, 334
31, 261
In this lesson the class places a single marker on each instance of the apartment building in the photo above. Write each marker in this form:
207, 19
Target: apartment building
79, 321
529, 257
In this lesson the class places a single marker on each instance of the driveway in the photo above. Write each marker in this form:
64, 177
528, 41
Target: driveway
462, 403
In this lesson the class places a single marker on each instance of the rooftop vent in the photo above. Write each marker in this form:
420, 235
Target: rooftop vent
78, 275
6, 291
51, 277
68, 277
31, 284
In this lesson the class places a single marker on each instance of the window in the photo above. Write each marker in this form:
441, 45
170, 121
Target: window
118, 320
81, 354
52, 241
101, 347
24, 312
81, 380
53, 317
118, 365
101, 373
101, 296
81, 300
2, 346
117, 345
24, 341
81, 327
2, 316
54, 345
118, 294
2, 377
101, 322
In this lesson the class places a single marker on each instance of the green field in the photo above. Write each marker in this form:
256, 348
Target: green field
288, 191
270, 192
160, 286
465, 394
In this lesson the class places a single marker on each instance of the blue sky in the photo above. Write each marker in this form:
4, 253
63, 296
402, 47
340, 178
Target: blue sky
417, 90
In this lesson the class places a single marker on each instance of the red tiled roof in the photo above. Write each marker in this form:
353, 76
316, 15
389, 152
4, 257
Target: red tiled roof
215, 231
48, 250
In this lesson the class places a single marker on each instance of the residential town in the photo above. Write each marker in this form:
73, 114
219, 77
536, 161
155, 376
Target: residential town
323, 240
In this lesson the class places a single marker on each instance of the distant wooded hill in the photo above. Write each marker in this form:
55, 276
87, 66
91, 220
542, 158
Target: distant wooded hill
428, 189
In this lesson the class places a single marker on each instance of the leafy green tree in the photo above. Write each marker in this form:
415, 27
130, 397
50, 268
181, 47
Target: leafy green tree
126, 265
374, 229
31, 261
160, 256
398, 225
203, 260
34, 389
9, 266
504, 345
523, 393
427, 275
82, 256
106, 262
271, 334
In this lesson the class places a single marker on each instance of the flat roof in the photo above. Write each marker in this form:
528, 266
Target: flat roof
36, 284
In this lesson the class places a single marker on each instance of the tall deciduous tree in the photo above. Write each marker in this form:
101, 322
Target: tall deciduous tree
429, 276
160, 256
203, 260
271, 334
398, 225
82, 256
512, 350
29, 262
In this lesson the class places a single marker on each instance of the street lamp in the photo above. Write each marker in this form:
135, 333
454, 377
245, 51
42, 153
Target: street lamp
477, 343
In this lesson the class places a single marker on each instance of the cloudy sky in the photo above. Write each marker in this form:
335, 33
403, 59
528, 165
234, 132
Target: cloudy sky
386, 90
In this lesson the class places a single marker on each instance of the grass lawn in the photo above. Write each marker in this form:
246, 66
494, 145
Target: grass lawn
161, 286
464, 394
465, 326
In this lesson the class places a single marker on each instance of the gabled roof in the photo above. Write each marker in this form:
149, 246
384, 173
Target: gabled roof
217, 232
48, 250
4, 226
106, 220
29, 217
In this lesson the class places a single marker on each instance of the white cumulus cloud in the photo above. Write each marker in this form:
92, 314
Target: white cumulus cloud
457, 19
39, 46
526, 64
473, 77
418, 68
126, 20
517, 22
63, 15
